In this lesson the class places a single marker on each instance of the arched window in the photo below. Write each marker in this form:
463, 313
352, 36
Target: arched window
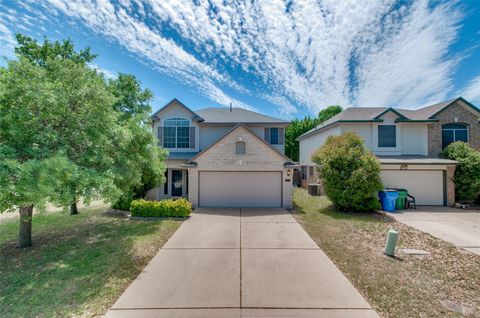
240, 148
454, 132
176, 133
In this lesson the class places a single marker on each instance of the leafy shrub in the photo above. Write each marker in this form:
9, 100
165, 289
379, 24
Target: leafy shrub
123, 203
467, 173
350, 173
163, 208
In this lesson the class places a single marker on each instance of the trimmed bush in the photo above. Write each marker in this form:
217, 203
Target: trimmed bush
164, 208
467, 173
350, 173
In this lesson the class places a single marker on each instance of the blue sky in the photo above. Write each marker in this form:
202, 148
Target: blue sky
283, 58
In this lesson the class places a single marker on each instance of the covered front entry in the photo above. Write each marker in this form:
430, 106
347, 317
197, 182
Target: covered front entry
427, 186
240, 189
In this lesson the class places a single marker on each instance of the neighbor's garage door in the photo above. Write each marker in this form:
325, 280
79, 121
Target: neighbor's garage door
240, 189
426, 186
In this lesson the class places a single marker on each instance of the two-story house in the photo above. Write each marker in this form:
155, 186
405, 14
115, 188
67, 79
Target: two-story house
223, 157
407, 143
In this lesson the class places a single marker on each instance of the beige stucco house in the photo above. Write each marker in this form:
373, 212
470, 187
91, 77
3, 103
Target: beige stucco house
227, 157
407, 143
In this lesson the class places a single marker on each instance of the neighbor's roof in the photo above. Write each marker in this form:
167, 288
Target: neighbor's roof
373, 114
237, 115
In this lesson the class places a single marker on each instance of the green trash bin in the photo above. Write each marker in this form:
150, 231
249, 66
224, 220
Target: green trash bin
402, 197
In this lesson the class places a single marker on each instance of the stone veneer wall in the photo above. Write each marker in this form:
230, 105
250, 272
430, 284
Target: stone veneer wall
447, 117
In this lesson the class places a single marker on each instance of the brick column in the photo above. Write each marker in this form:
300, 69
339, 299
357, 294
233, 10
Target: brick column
450, 185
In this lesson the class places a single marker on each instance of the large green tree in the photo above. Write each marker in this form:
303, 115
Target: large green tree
40, 54
142, 164
300, 126
136, 161
66, 133
62, 115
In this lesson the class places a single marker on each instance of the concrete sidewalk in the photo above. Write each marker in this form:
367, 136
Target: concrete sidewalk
241, 263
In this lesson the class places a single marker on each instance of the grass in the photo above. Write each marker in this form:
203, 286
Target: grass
78, 266
443, 284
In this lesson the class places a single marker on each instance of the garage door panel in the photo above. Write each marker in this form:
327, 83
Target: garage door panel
425, 185
240, 189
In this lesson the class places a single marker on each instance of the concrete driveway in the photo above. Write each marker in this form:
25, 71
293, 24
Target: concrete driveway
459, 227
241, 262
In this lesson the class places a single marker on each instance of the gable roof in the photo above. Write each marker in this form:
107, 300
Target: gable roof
196, 117
232, 130
237, 115
373, 114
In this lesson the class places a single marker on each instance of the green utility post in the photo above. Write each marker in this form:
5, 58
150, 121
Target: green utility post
392, 236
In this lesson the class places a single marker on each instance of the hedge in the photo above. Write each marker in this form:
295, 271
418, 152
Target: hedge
164, 208
467, 173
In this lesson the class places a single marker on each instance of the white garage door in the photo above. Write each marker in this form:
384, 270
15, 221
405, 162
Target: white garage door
240, 189
426, 186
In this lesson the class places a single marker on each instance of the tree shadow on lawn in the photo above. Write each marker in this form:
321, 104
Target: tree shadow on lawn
86, 264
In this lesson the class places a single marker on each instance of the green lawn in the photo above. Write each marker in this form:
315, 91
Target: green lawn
408, 286
78, 266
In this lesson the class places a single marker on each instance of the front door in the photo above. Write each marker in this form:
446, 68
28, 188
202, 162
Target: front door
177, 184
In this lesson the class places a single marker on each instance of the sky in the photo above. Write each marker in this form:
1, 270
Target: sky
286, 59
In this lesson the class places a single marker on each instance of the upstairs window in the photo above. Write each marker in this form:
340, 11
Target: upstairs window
454, 132
240, 148
176, 133
275, 136
387, 136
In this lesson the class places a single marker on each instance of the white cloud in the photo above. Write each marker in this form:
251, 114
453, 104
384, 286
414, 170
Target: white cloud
472, 91
7, 38
107, 73
307, 53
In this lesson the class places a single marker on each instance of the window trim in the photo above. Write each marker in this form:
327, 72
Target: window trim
311, 172
280, 135
466, 128
176, 126
240, 142
395, 135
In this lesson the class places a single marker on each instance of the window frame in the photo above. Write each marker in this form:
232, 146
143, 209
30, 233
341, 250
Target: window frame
303, 172
454, 130
383, 145
180, 131
240, 142
277, 142
311, 172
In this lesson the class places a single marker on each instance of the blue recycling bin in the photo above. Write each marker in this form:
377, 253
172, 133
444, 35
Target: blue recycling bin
387, 200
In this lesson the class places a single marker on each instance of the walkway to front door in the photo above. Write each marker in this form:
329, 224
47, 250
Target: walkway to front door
241, 262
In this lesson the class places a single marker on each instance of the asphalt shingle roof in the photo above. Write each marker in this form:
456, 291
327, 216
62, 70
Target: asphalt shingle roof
372, 113
237, 115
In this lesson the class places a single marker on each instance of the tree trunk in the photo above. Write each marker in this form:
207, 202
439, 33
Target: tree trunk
25, 231
73, 208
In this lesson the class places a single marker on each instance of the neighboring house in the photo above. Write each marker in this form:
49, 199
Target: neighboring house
407, 143
223, 157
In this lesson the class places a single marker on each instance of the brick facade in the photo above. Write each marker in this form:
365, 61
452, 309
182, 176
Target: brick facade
450, 185
258, 157
447, 116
